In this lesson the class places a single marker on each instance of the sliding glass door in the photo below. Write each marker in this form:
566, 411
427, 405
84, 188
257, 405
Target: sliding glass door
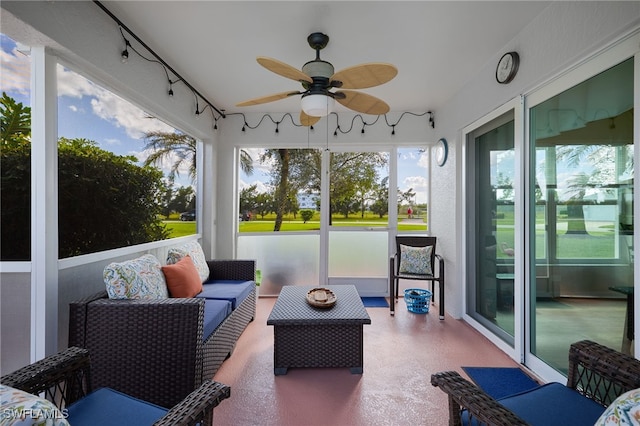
491, 193
581, 198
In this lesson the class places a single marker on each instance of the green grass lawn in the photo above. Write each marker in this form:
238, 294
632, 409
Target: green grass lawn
180, 229
291, 224
600, 245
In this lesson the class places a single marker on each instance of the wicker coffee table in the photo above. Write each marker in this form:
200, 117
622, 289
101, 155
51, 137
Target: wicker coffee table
306, 336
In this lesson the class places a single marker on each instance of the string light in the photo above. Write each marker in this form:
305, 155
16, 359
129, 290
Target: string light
124, 57
338, 129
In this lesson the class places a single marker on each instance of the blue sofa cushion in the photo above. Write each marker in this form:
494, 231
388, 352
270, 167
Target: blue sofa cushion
231, 290
109, 407
553, 404
215, 311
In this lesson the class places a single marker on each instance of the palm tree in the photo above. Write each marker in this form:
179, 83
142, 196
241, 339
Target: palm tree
15, 122
182, 148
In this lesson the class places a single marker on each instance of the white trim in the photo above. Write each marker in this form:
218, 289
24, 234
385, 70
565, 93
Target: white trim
636, 193
44, 204
15, 267
85, 259
515, 106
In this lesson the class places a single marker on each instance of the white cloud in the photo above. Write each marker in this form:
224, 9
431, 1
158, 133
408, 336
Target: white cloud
419, 185
16, 72
423, 161
108, 106
261, 186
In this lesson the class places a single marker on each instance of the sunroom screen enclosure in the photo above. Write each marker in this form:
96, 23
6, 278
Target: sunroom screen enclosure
337, 222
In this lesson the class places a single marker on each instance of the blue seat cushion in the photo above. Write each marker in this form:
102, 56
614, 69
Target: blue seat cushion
215, 311
553, 404
109, 407
231, 290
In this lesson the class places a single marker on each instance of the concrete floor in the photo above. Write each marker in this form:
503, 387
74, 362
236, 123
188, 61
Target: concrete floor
400, 355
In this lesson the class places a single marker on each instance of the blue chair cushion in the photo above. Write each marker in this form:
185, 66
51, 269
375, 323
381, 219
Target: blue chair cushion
234, 291
553, 404
109, 407
215, 311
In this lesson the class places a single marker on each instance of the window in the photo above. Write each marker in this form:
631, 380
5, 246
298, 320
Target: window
412, 189
124, 177
15, 165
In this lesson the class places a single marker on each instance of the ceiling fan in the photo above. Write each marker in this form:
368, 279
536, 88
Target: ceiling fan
318, 78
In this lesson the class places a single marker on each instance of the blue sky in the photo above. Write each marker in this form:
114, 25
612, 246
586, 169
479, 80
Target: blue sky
86, 110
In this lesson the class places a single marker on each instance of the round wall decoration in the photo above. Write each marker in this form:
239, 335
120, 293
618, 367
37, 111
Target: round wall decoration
442, 151
507, 67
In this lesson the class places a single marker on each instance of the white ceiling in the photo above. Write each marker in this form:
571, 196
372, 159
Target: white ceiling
437, 46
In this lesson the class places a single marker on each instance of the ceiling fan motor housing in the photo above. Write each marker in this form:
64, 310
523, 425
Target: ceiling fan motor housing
321, 72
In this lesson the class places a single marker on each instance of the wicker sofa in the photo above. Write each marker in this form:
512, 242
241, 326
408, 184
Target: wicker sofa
597, 376
161, 350
64, 379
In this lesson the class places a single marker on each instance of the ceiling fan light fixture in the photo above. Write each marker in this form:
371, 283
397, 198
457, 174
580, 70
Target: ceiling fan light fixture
317, 105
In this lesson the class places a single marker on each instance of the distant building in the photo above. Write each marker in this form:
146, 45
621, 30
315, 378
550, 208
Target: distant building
309, 201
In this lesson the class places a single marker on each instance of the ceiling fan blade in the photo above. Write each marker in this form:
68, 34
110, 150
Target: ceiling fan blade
365, 75
268, 98
361, 102
283, 69
307, 120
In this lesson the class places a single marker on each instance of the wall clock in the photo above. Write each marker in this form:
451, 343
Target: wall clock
442, 150
507, 67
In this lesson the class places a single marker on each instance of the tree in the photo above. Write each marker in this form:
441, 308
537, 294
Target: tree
166, 145
353, 177
407, 196
15, 126
380, 205
265, 204
306, 215
184, 199
177, 146
15, 180
120, 201
105, 201
248, 198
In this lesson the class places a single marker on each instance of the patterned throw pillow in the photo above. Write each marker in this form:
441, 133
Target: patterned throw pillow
182, 278
22, 408
194, 250
140, 278
415, 260
625, 410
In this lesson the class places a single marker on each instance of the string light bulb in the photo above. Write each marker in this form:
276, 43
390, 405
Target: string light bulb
124, 56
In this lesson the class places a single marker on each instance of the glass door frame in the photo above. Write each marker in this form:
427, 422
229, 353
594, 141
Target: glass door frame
516, 107
614, 54
325, 220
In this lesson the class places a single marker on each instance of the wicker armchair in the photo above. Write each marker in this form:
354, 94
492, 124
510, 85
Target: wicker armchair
597, 372
65, 378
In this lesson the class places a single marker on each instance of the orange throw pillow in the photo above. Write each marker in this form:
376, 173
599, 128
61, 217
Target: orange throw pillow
182, 278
